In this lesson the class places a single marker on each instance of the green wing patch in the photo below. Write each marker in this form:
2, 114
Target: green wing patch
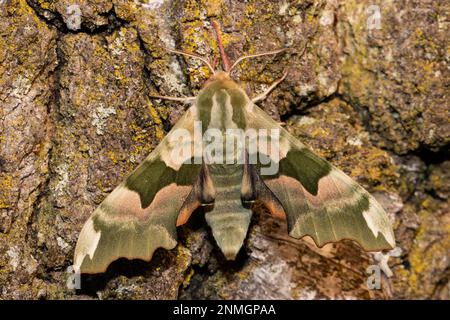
316, 198
141, 214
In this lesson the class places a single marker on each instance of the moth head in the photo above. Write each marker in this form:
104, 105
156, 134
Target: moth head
220, 76
224, 78
227, 67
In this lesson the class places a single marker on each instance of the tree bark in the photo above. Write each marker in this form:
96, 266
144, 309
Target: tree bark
367, 89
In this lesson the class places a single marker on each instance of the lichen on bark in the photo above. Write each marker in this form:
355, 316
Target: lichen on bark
76, 117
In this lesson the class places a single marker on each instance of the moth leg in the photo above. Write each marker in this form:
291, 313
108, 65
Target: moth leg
191, 55
263, 95
180, 99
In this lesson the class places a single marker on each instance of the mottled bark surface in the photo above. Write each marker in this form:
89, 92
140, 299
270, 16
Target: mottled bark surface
368, 92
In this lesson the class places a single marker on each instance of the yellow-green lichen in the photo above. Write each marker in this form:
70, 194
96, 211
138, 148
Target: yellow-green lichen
6, 183
188, 277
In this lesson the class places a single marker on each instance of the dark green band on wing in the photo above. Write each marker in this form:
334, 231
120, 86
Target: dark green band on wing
151, 177
304, 166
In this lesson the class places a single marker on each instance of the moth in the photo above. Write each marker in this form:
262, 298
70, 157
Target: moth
266, 165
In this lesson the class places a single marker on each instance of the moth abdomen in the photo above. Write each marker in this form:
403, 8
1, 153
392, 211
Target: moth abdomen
228, 218
229, 228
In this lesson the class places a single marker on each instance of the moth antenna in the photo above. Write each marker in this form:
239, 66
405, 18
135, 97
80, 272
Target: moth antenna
179, 99
265, 93
226, 64
205, 61
256, 55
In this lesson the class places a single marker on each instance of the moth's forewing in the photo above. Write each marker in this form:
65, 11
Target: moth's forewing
318, 199
140, 215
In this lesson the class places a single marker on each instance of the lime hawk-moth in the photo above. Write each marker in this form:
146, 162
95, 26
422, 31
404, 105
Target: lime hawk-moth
262, 163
